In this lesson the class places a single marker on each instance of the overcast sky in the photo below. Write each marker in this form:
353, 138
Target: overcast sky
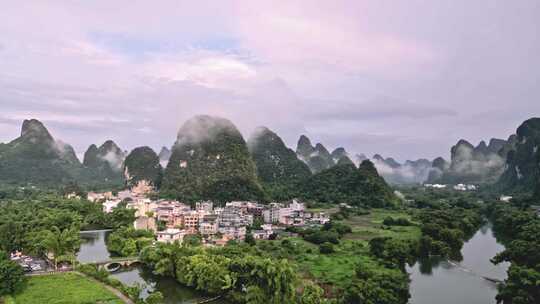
401, 78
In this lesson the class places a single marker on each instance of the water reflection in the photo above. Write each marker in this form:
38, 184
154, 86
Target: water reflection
436, 280
172, 291
93, 246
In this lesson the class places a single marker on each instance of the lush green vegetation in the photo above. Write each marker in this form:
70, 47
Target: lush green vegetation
210, 161
143, 164
522, 174
347, 184
69, 288
104, 164
520, 229
38, 222
12, 278
278, 167
127, 241
229, 271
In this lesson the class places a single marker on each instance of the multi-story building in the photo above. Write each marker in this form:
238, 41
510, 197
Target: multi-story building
206, 207
95, 196
191, 220
271, 214
145, 223
237, 233
170, 235
208, 225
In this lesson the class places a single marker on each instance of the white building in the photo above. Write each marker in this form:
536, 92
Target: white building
109, 205
170, 235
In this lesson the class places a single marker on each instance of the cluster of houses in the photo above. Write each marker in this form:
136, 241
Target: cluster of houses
458, 187
172, 220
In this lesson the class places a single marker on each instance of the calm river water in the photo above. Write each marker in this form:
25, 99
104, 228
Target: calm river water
432, 282
445, 282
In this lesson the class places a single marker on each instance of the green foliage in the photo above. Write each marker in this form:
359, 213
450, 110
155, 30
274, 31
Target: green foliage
347, 184
60, 243
377, 285
210, 161
312, 294
143, 164
522, 173
521, 231
393, 252
390, 221
121, 217
445, 227
278, 167
36, 158
230, 270
154, 298
12, 278
326, 248
28, 218
127, 241
103, 164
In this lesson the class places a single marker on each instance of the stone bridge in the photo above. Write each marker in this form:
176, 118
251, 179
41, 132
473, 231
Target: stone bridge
116, 263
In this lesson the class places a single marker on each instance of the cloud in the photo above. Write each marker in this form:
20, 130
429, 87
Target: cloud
406, 79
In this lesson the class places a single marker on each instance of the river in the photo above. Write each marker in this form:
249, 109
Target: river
432, 281
94, 249
446, 282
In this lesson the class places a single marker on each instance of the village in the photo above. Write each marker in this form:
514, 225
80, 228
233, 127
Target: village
171, 221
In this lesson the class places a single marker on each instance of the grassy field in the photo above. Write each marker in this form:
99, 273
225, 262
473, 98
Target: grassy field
68, 288
366, 227
337, 269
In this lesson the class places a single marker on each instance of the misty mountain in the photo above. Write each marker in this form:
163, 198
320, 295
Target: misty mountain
341, 156
210, 160
37, 158
475, 164
105, 163
164, 156
142, 164
345, 183
522, 170
438, 166
278, 167
317, 158
410, 172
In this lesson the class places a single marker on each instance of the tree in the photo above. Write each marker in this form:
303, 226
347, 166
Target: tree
155, 298
249, 239
326, 248
12, 278
60, 243
378, 285
313, 294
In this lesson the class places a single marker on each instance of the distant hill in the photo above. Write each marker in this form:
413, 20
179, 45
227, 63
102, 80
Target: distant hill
317, 158
278, 168
482, 164
105, 163
210, 160
345, 183
37, 158
522, 167
142, 164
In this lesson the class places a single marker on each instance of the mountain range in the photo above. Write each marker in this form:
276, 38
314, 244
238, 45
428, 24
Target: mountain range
211, 160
